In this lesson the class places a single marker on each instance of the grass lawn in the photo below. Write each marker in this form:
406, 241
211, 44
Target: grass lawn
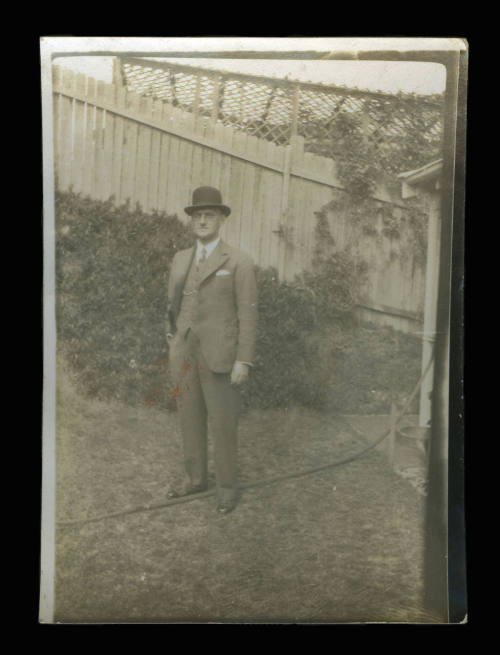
343, 545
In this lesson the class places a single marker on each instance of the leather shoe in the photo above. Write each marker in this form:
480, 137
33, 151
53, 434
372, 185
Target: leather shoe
226, 507
187, 491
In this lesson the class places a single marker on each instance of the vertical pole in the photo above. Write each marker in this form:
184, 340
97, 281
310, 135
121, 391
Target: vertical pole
295, 112
430, 313
117, 73
196, 104
215, 98
285, 188
241, 102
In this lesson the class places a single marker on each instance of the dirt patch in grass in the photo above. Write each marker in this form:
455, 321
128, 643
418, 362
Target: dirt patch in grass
343, 545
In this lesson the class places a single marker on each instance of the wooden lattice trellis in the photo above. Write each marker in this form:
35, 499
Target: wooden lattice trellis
275, 109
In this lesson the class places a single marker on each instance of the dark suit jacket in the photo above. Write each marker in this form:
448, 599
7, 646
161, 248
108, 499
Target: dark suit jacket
226, 320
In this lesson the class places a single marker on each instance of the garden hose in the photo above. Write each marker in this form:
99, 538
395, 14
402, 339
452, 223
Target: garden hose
266, 481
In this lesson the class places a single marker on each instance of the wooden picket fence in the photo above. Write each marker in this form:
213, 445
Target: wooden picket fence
111, 142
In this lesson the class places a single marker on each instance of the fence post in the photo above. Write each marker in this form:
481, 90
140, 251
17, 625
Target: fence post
66, 131
295, 112
196, 104
285, 188
56, 81
117, 73
215, 107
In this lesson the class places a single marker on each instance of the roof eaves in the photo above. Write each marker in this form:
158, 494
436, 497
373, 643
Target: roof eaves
423, 174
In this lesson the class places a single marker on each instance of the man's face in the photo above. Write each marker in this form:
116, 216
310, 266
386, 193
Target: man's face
206, 223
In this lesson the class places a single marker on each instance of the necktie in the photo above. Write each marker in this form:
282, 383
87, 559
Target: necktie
203, 257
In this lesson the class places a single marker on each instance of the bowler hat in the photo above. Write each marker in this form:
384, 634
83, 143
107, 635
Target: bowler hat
207, 196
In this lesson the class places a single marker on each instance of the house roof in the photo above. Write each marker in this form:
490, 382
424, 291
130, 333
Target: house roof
427, 176
424, 174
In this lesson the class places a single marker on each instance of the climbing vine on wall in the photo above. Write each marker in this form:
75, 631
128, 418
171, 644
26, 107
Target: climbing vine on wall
366, 160
417, 220
363, 156
376, 219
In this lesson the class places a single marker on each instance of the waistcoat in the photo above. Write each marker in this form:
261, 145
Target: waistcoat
189, 303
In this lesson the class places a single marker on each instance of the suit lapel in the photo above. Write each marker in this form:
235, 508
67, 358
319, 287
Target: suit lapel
219, 257
183, 273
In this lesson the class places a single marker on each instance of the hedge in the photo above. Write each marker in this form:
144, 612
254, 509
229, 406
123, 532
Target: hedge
112, 267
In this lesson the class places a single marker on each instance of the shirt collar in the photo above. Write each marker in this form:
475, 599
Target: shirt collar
209, 247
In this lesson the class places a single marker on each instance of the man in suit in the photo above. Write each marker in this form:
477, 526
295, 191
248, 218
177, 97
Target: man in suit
211, 325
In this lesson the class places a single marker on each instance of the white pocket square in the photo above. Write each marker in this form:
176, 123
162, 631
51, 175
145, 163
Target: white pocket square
223, 271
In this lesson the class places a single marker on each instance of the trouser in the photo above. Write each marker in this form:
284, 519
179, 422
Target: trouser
204, 397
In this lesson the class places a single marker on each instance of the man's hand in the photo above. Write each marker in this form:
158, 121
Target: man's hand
239, 374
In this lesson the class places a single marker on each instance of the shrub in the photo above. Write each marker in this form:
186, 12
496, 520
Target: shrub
112, 267
303, 326
380, 365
